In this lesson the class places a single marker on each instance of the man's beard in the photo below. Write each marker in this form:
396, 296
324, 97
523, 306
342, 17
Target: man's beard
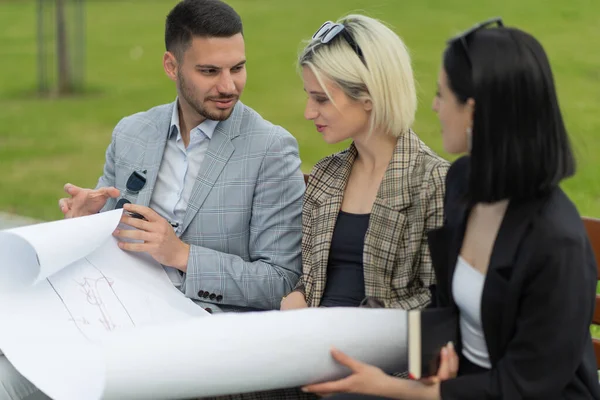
188, 95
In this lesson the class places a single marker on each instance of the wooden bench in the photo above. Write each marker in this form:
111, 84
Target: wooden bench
592, 226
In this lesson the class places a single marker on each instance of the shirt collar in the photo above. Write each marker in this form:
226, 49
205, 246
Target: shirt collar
206, 127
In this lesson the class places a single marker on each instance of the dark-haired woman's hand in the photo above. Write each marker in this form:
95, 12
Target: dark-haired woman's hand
448, 366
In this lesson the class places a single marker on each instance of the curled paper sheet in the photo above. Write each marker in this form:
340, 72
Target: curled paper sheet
86, 320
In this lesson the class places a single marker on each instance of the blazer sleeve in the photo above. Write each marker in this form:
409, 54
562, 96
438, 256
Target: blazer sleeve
108, 174
300, 286
275, 233
559, 293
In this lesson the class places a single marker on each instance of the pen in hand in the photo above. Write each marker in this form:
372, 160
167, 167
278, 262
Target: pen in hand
140, 216
132, 214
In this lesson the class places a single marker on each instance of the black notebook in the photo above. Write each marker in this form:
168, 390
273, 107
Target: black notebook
429, 330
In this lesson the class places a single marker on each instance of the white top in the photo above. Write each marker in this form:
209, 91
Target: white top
467, 287
177, 175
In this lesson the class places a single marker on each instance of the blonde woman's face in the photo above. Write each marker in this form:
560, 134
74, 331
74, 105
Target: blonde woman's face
337, 117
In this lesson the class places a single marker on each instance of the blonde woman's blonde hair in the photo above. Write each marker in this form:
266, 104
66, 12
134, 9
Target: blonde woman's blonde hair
385, 77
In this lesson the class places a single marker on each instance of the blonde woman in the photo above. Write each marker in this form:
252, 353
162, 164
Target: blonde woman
368, 208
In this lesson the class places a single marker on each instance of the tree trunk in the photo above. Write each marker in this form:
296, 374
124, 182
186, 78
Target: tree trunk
65, 81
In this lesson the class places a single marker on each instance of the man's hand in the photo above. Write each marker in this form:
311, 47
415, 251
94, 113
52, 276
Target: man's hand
156, 235
85, 201
293, 301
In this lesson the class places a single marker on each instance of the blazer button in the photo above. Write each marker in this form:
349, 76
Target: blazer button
201, 293
219, 298
208, 310
206, 294
212, 296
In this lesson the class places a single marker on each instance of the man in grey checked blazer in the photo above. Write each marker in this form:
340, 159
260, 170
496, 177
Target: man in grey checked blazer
236, 245
243, 219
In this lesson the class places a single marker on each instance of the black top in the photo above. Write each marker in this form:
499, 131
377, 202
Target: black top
345, 285
537, 302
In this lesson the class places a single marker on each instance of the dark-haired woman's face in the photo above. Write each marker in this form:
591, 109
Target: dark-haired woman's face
455, 118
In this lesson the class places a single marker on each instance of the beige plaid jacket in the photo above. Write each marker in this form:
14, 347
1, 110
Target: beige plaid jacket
397, 264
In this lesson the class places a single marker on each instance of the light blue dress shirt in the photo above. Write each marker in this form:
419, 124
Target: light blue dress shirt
177, 174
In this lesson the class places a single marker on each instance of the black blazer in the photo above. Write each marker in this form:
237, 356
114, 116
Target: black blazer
537, 301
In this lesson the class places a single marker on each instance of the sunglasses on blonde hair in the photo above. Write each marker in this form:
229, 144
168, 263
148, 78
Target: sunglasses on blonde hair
330, 30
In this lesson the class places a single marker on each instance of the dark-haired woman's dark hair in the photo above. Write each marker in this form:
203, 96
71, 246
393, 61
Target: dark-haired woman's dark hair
520, 146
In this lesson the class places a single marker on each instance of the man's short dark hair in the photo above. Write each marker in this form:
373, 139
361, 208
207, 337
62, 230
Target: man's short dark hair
199, 18
520, 146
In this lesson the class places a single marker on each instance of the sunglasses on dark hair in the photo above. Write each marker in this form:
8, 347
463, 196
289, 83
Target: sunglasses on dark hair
329, 30
464, 36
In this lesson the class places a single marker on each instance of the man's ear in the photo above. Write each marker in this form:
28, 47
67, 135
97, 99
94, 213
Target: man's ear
170, 65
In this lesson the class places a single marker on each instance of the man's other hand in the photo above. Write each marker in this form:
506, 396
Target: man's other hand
85, 201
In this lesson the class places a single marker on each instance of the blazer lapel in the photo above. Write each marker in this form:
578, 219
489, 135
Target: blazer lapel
217, 155
438, 241
513, 229
461, 213
387, 219
398, 173
155, 148
328, 202
445, 244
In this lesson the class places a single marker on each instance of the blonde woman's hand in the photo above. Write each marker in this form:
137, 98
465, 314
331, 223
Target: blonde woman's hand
293, 301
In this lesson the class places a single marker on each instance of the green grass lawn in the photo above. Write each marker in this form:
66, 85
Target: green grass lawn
45, 143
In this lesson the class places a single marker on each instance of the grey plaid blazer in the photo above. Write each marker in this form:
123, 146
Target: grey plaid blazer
409, 203
243, 221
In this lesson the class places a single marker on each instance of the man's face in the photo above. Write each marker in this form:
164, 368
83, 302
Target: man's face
212, 75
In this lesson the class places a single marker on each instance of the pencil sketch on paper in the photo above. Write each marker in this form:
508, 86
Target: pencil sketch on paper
90, 298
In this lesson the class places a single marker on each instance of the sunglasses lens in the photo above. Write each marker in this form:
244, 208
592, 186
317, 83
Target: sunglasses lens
136, 182
322, 30
332, 33
121, 203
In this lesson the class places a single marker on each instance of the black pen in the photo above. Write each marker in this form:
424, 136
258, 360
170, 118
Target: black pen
140, 216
